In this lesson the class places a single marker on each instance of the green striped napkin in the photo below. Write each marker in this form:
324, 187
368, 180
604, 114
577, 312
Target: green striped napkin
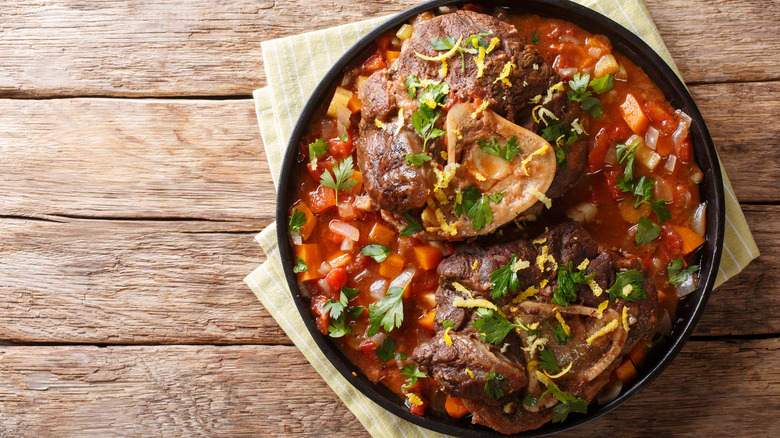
294, 66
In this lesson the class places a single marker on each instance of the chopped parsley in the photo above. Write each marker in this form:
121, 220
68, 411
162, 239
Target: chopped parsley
388, 312
628, 285
495, 384
376, 252
356, 311
423, 121
626, 154
569, 403
343, 172
477, 206
492, 327
565, 292
505, 279
300, 266
413, 373
297, 221
386, 351
447, 324
579, 92
412, 84
469, 46
646, 231
676, 274
547, 361
559, 333
338, 317
434, 95
529, 400
642, 188
317, 149
417, 160
558, 134
535, 38
412, 225
493, 147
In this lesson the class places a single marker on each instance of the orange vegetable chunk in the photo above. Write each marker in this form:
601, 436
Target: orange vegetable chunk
455, 407
633, 115
310, 253
311, 220
380, 234
626, 372
427, 320
690, 240
392, 266
428, 256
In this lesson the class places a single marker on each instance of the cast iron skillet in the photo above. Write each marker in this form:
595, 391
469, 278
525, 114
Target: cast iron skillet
689, 309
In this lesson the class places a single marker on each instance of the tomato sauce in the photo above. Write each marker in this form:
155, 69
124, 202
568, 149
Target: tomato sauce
633, 109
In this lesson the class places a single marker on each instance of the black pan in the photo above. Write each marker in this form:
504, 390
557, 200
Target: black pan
690, 308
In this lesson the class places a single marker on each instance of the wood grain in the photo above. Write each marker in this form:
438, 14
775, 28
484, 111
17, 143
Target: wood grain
123, 158
147, 282
207, 48
81, 391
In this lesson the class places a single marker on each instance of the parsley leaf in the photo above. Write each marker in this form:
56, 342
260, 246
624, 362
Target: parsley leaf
676, 274
557, 133
387, 350
434, 95
535, 38
628, 285
493, 147
417, 160
413, 226
344, 137
626, 153
495, 384
504, 279
579, 92
548, 362
477, 206
317, 149
388, 312
297, 221
423, 121
468, 46
492, 327
467, 200
339, 328
646, 231
376, 252
356, 311
447, 324
659, 207
300, 266
529, 400
343, 172
338, 317
569, 403
413, 373
560, 334
603, 84
565, 292
412, 84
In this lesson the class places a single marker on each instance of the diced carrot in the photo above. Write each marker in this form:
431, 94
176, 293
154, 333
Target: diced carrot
626, 372
428, 256
427, 320
638, 353
321, 199
633, 114
392, 266
311, 220
358, 177
310, 254
373, 63
455, 407
690, 240
339, 258
391, 55
354, 104
380, 234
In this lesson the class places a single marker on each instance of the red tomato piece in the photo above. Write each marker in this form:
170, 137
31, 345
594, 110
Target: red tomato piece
598, 150
337, 278
340, 149
610, 178
671, 241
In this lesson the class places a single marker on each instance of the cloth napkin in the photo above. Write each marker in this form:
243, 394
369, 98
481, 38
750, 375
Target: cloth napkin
293, 67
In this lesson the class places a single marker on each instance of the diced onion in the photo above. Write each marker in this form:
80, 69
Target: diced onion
324, 286
324, 268
439, 244
582, 212
671, 162
341, 98
378, 289
347, 245
699, 219
296, 238
403, 279
570, 39
304, 288
343, 114
647, 157
611, 157
665, 324
687, 286
681, 133
658, 264
651, 137
610, 394
664, 190
696, 175
606, 65
346, 210
379, 338
362, 275
427, 299
344, 229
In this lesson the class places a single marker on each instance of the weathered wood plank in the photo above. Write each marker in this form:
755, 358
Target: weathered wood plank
129, 282
132, 282
273, 391
197, 47
124, 158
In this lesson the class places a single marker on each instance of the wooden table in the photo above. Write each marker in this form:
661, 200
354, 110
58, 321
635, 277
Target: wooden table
132, 179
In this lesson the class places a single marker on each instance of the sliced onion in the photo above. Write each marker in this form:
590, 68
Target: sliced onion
651, 137
582, 212
687, 286
346, 210
403, 279
611, 157
699, 219
663, 190
671, 162
347, 245
362, 275
296, 238
343, 114
665, 324
378, 289
681, 133
696, 175
379, 338
439, 244
570, 39
607, 396
324, 286
325, 268
344, 229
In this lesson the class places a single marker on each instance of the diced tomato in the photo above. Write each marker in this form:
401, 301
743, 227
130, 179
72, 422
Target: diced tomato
610, 178
672, 241
323, 317
683, 150
383, 42
323, 163
661, 118
340, 149
368, 346
373, 63
665, 145
321, 199
418, 409
599, 146
619, 132
337, 278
